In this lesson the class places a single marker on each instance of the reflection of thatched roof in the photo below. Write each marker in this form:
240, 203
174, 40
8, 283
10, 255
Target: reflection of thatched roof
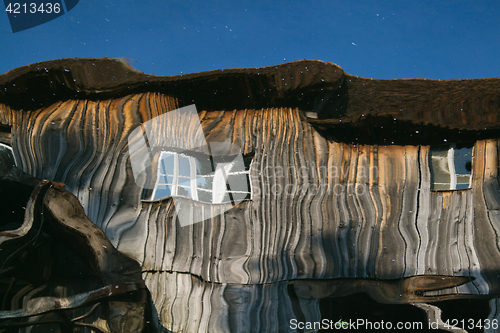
348, 108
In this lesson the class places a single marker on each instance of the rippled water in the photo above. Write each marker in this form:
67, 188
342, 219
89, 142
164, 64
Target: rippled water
291, 196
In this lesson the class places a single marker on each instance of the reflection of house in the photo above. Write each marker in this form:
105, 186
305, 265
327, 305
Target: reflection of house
399, 204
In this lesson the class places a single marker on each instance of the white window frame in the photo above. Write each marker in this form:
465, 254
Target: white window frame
219, 178
452, 170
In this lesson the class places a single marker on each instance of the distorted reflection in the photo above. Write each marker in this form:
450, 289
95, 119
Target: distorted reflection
246, 199
451, 167
196, 178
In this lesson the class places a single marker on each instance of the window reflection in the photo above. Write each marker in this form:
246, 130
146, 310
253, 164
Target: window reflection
451, 167
201, 179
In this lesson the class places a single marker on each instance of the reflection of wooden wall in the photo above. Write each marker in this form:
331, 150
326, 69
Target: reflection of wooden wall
187, 304
377, 219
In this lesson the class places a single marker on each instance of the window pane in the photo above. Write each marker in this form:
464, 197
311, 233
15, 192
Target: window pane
463, 161
463, 179
184, 181
162, 191
204, 166
224, 168
165, 180
238, 182
205, 196
440, 173
184, 191
225, 199
440, 187
204, 182
238, 165
184, 166
167, 164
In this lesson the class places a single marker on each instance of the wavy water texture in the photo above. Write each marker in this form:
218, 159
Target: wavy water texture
323, 205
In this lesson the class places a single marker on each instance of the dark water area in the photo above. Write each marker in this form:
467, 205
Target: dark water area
292, 198
470, 313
